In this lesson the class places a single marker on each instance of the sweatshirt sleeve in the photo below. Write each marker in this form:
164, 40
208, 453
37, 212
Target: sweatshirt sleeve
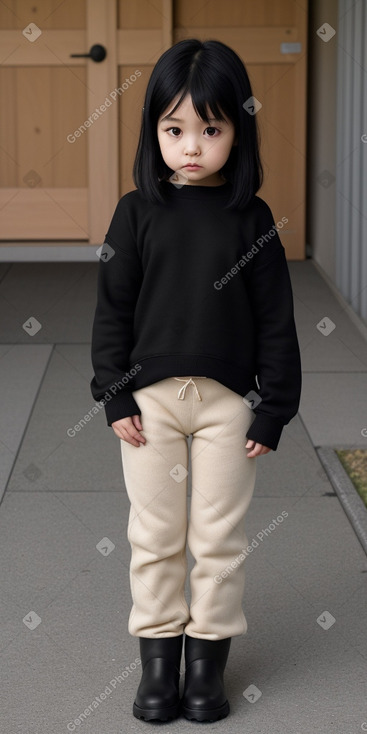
278, 361
119, 281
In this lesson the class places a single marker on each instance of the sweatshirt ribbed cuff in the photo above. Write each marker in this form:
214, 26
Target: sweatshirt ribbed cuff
265, 430
120, 406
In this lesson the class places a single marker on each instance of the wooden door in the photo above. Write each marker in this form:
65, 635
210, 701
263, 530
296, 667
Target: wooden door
54, 190
58, 146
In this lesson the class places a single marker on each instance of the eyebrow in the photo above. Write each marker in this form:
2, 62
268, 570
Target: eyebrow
176, 119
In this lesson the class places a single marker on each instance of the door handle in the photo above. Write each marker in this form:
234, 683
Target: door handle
96, 53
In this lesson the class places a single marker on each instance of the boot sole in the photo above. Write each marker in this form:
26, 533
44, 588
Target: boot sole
206, 715
161, 714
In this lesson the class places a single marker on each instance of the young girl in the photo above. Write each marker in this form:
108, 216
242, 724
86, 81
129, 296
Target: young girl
193, 334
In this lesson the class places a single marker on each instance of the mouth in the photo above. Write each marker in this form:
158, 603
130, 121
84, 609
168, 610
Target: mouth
192, 165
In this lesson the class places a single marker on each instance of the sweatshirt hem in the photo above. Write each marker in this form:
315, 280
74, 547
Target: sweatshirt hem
264, 429
153, 369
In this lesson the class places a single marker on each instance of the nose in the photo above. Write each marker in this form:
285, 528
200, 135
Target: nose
192, 146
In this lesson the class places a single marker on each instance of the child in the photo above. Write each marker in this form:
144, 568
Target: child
194, 324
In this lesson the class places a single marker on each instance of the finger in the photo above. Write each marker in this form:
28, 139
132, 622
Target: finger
131, 437
255, 451
124, 435
251, 454
137, 422
139, 436
135, 436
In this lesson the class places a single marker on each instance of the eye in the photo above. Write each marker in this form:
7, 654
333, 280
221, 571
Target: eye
173, 128
212, 128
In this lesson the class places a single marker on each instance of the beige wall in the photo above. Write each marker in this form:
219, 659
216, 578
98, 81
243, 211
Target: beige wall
321, 136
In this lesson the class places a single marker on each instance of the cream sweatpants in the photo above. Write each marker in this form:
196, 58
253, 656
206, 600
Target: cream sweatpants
223, 481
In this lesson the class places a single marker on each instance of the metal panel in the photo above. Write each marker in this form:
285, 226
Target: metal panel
351, 141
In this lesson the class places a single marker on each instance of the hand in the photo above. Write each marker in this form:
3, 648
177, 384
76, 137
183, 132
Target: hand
256, 449
127, 429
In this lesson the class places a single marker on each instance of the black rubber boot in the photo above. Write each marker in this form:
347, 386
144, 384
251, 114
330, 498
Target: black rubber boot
204, 698
158, 693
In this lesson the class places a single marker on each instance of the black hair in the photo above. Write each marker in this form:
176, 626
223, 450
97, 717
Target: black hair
214, 76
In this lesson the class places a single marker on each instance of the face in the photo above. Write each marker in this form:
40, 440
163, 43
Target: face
185, 138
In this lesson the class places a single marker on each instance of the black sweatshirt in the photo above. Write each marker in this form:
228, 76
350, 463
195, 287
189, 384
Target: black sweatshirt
189, 288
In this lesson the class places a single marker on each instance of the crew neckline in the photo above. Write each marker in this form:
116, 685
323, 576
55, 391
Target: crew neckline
196, 192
